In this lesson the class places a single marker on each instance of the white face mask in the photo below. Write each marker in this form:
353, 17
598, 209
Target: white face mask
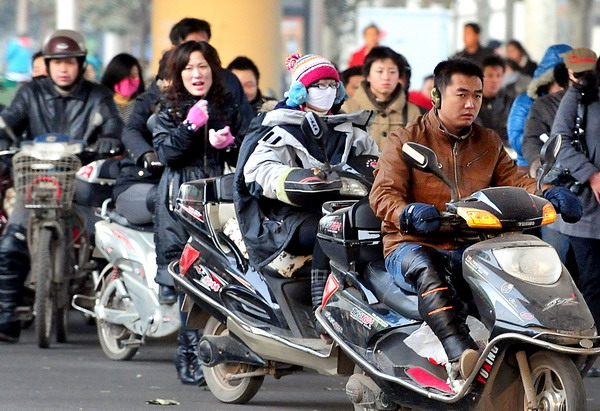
321, 99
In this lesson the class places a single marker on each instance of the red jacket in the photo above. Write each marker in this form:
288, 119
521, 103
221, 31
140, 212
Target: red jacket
358, 57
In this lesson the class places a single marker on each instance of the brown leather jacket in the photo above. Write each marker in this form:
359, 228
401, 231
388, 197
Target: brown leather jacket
474, 161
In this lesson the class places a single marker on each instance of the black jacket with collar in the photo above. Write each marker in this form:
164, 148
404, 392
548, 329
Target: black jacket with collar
38, 108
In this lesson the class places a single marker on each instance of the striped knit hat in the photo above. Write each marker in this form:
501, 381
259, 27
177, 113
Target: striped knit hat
310, 68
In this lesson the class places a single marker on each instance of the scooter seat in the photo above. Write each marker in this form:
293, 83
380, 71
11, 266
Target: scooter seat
388, 292
121, 220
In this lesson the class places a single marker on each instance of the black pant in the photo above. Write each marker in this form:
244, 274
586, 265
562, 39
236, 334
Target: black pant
587, 256
304, 242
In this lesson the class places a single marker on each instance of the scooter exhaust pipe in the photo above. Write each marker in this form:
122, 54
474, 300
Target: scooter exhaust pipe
216, 349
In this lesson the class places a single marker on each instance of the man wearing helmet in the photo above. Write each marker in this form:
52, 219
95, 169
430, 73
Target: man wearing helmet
62, 103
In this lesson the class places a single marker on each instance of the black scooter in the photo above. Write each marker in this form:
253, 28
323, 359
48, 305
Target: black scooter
542, 337
255, 323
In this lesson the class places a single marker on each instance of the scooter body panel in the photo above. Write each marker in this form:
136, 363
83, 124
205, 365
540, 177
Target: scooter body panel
502, 297
266, 300
133, 253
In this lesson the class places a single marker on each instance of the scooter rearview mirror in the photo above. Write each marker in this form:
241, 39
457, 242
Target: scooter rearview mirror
8, 130
549, 151
548, 156
424, 159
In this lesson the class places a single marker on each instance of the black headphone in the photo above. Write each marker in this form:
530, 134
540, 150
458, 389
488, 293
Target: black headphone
436, 97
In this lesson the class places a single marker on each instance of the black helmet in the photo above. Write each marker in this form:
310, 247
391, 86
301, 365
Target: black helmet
64, 44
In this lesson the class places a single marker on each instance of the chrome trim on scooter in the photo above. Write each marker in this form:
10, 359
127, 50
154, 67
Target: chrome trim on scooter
231, 316
458, 396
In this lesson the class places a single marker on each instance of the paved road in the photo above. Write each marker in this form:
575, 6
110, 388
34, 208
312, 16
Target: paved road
77, 376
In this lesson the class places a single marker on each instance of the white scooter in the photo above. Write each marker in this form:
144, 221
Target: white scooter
126, 306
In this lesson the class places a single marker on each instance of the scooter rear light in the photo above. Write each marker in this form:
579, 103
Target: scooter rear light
549, 214
188, 256
330, 287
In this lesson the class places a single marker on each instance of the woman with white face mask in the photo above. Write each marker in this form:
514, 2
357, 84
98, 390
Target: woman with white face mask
281, 174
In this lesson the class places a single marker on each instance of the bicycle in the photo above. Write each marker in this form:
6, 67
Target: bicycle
58, 240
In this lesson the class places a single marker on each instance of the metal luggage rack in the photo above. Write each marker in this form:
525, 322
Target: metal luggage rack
45, 183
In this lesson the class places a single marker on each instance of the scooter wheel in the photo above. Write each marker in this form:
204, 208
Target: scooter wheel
113, 337
556, 381
229, 391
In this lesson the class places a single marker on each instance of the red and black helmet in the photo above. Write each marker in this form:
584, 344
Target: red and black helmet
64, 44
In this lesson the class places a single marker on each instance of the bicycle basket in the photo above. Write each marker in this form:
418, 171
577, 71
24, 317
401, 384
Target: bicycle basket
45, 183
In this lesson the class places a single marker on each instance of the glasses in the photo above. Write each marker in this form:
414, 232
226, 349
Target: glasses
324, 86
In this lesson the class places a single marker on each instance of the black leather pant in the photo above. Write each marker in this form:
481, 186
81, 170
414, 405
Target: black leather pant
428, 269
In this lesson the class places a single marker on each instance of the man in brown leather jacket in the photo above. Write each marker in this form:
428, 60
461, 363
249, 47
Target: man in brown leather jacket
408, 200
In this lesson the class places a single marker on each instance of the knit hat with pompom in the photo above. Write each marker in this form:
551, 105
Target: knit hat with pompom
310, 68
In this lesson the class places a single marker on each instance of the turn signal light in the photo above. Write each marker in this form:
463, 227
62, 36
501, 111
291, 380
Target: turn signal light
549, 214
476, 218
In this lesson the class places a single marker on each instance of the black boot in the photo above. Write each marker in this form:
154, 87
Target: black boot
318, 279
166, 294
182, 360
10, 331
14, 266
10, 327
195, 363
188, 367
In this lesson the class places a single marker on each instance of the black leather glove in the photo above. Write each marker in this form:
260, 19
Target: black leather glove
109, 146
152, 163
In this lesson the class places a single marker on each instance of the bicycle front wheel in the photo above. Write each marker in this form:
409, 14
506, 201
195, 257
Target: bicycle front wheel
44, 262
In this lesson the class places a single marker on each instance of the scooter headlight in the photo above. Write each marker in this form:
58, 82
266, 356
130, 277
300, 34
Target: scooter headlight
353, 188
538, 265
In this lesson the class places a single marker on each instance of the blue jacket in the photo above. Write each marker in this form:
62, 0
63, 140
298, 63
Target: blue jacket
543, 75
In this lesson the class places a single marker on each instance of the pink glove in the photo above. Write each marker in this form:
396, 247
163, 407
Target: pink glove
198, 114
221, 138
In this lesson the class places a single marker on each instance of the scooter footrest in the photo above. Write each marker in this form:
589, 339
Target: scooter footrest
132, 343
426, 379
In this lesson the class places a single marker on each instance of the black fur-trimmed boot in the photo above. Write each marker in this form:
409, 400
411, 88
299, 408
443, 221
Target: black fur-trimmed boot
187, 363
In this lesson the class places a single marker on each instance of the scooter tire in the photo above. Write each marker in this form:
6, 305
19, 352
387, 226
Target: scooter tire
229, 392
112, 336
556, 379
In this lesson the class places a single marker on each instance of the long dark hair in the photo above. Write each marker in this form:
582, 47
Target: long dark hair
119, 68
177, 93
